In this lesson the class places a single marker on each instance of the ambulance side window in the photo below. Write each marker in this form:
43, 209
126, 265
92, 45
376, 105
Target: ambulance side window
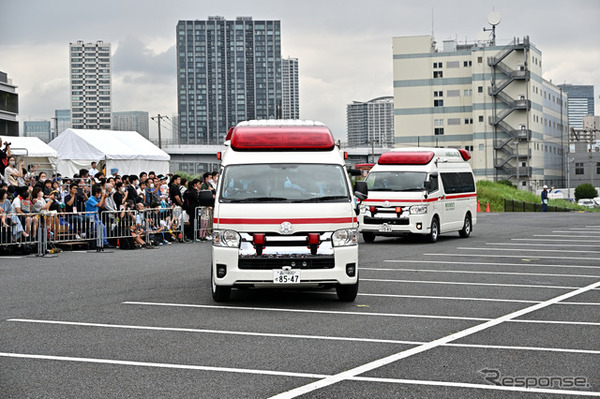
433, 184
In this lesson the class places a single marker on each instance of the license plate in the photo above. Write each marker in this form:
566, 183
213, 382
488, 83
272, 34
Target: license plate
286, 276
385, 228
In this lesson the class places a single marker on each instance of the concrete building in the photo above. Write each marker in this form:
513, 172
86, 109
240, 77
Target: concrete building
371, 123
62, 120
90, 77
290, 88
581, 103
227, 71
488, 99
132, 121
39, 129
9, 107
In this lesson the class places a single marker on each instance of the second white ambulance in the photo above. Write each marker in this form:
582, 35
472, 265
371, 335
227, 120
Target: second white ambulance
284, 213
426, 191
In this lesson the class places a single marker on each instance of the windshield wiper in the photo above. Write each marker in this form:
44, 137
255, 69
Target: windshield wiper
257, 199
323, 199
413, 189
381, 189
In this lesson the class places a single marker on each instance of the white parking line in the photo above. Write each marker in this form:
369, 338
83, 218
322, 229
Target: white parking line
561, 235
423, 348
559, 287
552, 240
185, 305
530, 250
510, 256
544, 245
162, 365
298, 336
487, 263
482, 272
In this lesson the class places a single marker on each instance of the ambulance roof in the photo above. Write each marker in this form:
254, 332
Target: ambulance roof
422, 156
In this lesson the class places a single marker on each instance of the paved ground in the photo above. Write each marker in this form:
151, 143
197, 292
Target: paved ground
517, 304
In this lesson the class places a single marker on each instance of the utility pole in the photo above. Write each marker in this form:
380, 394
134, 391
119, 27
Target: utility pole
158, 118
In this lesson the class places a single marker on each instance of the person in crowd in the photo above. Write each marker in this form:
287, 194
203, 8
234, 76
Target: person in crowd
93, 169
42, 206
4, 157
143, 177
84, 174
151, 194
151, 175
93, 205
13, 173
114, 171
20, 208
4, 208
215, 179
174, 191
74, 206
121, 194
183, 186
131, 187
192, 202
545, 199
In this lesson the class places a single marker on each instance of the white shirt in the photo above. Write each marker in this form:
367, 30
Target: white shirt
93, 172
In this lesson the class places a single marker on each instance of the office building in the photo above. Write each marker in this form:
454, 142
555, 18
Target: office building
489, 99
133, 121
371, 123
227, 71
290, 90
62, 120
581, 103
39, 129
9, 107
90, 77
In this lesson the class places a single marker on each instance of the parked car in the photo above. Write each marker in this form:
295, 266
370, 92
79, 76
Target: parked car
597, 202
587, 202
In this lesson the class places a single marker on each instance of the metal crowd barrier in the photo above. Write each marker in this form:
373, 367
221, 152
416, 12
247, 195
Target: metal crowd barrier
203, 222
45, 231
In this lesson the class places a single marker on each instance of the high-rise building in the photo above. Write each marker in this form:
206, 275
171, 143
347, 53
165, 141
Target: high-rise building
39, 129
90, 76
9, 107
581, 103
63, 120
133, 121
290, 89
371, 123
488, 99
227, 71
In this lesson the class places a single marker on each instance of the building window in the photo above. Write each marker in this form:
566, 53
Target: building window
480, 118
438, 122
578, 168
467, 63
438, 131
468, 121
469, 148
598, 168
438, 93
438, 103
481, 147
452, 64
479, 89
468, 92
438, 74
437, 64
479, 60
453, 121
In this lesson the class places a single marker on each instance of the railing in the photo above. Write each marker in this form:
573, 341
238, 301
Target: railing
520, 206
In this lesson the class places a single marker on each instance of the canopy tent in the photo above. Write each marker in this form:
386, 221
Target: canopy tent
34, 151
128, 151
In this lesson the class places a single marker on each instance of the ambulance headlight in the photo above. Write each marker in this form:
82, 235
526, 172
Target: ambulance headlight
344, 237
226, 238
418, 209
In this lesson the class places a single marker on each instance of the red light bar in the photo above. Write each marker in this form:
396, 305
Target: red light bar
229, 134
398, 209
258, 239
465, 154
219, 155
372, 209
285, 138
406, 158
314, 238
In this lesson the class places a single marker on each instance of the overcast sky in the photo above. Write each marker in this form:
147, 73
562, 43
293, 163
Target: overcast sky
344, 47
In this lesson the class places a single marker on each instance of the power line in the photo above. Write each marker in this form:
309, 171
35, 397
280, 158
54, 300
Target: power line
158, 118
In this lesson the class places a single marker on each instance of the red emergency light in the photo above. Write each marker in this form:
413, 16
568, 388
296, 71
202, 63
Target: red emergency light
282, 138
258, 239
465, 154
406, 158
229, 134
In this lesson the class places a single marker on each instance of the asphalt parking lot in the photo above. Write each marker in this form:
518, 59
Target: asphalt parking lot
512, 311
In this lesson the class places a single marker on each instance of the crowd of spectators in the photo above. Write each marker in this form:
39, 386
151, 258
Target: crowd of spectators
142, 210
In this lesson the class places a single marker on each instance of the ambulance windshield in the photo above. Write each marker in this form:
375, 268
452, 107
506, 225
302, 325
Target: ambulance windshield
284, 183
396, 181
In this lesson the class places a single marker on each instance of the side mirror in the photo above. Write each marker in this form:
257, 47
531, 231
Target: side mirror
354, 172
361, 191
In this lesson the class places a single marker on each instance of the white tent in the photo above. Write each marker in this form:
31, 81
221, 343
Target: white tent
128, 151
34, 151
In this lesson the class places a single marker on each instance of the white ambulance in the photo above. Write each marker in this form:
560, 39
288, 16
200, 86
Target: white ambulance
426, 191
284, 213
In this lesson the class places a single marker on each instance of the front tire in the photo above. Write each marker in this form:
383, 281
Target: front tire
368, 237
347, 293
467, 227
434, 232
219, 293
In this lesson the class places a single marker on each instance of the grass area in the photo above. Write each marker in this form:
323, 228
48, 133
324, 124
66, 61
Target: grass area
495, 193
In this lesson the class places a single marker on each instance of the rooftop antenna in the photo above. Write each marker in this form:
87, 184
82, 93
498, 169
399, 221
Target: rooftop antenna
493, 19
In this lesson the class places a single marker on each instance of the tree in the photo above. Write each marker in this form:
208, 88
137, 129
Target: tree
585, 190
